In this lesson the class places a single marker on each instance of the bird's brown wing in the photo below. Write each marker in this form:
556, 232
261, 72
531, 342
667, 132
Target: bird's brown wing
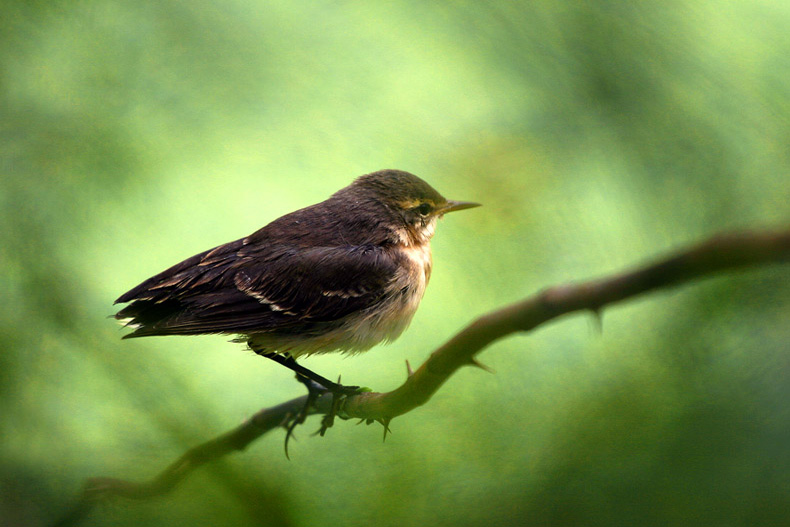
240, 289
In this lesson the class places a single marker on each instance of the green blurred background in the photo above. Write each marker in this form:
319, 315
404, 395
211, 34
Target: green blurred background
597, 134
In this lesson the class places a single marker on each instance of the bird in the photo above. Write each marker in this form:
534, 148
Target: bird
341, 276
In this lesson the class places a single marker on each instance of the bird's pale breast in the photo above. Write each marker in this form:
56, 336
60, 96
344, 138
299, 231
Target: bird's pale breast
382, 322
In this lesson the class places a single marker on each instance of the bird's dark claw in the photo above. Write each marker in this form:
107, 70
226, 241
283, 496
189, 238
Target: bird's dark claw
315, 391
338, 398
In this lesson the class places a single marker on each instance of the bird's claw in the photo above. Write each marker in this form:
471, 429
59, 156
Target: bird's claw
315, 391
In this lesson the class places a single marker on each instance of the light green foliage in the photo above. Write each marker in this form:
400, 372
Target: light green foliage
596, 134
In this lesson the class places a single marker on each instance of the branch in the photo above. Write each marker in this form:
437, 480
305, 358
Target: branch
720, 253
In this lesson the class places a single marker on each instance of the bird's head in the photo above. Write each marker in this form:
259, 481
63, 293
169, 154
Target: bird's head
409, 198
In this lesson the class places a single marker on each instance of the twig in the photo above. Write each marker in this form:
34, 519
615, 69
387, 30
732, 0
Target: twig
720, 253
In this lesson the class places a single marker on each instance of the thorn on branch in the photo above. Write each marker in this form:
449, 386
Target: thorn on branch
597, 313
477, 364
385, 421
409, 371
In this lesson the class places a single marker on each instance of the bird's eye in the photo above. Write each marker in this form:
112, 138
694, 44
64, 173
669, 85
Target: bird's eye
424, 209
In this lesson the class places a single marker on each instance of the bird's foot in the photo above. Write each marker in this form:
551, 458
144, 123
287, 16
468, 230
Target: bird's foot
339, 395
315, 391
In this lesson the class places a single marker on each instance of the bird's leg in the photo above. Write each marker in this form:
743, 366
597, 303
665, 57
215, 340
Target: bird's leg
290, 363
316, 386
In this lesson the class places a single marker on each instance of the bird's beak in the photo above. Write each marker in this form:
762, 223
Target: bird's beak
452, 206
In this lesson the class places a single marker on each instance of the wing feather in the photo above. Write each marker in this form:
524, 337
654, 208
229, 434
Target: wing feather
240, 288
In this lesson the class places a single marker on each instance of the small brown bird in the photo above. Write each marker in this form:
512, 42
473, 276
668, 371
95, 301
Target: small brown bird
341, 275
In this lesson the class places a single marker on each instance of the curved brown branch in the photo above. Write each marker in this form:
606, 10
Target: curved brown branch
720, 253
